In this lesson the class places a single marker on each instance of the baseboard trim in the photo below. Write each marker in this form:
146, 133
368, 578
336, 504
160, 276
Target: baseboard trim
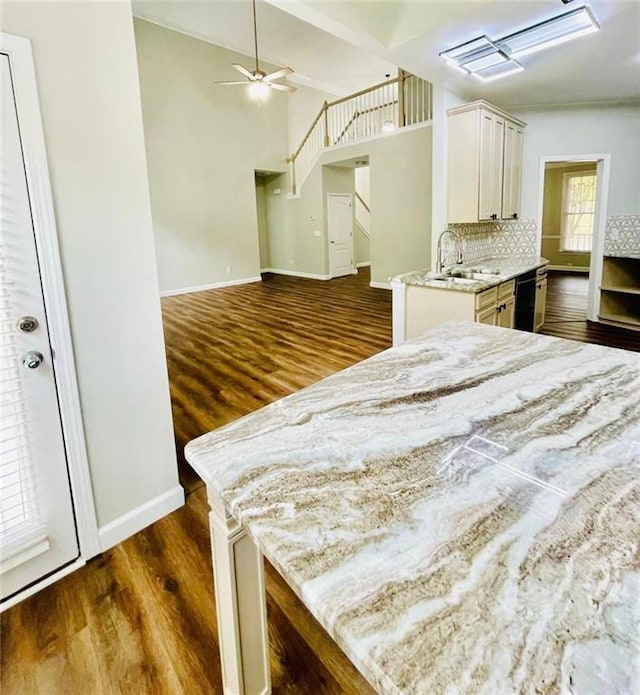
211, 286
130, 523
297, 274
42, 584
380, 285
363, 265
570, 268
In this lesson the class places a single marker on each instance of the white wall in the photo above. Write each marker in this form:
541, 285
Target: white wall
611, 130
203, 145
88, 83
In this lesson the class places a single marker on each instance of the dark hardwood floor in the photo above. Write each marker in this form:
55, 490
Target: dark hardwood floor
140, 617
566, 314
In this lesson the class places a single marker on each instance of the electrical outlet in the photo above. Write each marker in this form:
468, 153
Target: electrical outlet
317, 232
228, 270
291, 261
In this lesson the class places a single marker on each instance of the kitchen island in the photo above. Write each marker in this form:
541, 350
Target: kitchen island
506, 292
460, 513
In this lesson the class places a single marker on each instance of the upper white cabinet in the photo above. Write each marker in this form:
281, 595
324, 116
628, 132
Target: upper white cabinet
485, 163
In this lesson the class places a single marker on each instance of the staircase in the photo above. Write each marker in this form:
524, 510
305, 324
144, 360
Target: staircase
403, 101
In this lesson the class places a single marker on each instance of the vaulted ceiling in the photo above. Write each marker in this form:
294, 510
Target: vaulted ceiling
342, 46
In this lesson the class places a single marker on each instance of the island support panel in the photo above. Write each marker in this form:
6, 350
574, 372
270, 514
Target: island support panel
238, 573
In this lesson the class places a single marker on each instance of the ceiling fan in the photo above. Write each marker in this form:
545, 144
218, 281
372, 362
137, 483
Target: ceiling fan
259, 81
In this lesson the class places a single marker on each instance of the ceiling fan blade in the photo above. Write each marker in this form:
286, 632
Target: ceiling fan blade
244, 71
277, 74
229, 82
282, 87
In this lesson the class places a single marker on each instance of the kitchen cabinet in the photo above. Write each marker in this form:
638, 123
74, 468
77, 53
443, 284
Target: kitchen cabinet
540, 303
484, 163
512, 170
427, 307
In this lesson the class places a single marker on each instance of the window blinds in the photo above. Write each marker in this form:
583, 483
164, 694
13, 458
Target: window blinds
22, 530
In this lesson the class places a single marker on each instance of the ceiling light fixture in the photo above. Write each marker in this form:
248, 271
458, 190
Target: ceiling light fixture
489, 59
259, 91
565, 27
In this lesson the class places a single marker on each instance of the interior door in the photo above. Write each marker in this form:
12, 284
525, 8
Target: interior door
340, 230
37, 524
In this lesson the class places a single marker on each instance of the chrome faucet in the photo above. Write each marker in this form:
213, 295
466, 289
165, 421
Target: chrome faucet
440, 256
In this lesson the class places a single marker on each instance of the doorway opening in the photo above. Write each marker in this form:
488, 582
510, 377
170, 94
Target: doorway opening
572, 211
270, 196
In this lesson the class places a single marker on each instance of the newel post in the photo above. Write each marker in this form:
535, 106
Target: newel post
401, 81
325, 108
292, 176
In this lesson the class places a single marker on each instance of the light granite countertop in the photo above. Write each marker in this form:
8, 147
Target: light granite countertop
461, 513
503, 269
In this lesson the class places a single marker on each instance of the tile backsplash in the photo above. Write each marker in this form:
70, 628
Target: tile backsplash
518, 238
622, 236
502, 239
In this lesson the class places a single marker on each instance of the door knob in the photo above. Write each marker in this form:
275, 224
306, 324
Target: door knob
32, 359
27, 324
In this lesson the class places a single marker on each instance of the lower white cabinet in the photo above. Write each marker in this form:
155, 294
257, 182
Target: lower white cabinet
426, 307
540, 304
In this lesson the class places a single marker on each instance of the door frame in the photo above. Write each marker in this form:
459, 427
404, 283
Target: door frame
603, 174
354, 270
18, 50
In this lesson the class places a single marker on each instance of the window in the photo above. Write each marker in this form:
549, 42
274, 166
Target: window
578, 211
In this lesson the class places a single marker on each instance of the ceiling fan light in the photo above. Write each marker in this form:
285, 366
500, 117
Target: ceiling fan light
259, 91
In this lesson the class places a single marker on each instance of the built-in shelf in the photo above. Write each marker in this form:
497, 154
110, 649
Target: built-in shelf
624, 290
620, 291
620, 319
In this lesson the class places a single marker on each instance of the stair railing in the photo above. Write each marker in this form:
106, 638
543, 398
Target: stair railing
396, 103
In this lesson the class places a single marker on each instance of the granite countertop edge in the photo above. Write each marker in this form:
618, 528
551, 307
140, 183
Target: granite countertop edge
505, 269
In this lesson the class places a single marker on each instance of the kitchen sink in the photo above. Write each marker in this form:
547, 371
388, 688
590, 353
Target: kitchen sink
472, 275
449, 280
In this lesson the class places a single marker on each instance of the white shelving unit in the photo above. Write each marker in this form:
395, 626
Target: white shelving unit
620, 292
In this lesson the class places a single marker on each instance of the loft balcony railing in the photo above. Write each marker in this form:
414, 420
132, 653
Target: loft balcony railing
403, 101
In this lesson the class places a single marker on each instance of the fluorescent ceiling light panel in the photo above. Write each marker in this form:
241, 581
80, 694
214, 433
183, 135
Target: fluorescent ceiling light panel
551, 32
475, 55
489, 60
495, 72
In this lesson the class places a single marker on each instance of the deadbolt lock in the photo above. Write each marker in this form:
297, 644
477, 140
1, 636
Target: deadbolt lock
27, 324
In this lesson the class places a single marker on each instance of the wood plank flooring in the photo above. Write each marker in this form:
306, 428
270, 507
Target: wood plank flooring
566, 314
140, 617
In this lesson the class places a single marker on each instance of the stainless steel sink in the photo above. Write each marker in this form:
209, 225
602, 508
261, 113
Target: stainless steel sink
472, 275
452, 280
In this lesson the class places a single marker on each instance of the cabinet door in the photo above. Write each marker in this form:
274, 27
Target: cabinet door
541, 301
491, 164
487, 316
512, 179
506, 313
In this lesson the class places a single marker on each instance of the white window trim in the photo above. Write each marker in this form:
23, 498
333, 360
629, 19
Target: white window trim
18, 50
566, 177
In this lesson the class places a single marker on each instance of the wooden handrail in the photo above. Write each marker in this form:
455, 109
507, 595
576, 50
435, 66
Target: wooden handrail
308, 135
361, 199
363, 91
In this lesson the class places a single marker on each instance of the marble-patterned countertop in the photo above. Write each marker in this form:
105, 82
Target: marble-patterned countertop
502, 269
461, 513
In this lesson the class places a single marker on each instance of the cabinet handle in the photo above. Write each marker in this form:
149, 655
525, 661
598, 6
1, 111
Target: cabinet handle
515, 215
494, 216
539, 286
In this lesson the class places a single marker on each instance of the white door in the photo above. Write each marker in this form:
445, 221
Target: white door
340, 231
37, 524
